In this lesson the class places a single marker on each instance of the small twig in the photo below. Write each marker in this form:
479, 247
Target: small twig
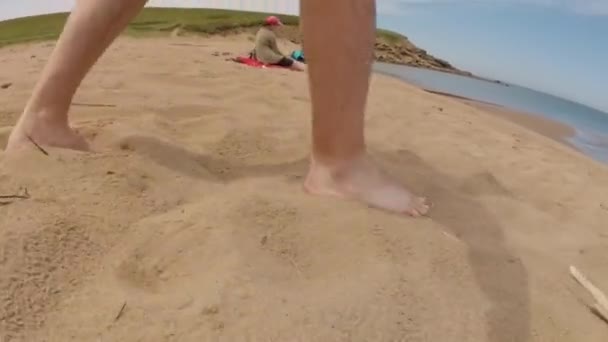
14, 196
600, 308
25, 195
38, 146
293, 262
120, 312
188, 44
93, 104
451, 237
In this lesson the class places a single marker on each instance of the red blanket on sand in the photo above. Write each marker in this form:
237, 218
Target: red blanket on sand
254, 63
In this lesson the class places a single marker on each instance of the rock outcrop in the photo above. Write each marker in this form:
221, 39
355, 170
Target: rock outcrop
394, 48
390, 47
401, 51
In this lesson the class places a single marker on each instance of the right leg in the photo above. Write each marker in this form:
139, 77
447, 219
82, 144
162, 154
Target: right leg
90, 29
340, 165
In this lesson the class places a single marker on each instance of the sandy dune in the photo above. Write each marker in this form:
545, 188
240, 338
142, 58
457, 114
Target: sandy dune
191, 217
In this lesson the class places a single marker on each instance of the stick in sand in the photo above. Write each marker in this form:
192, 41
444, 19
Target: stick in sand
26, 195
295, 265
121, 311
189, 44
601, 302
38, 146
93, 104
14, 196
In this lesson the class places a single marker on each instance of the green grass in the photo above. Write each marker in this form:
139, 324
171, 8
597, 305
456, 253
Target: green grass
151, 21
390, 36
45, 27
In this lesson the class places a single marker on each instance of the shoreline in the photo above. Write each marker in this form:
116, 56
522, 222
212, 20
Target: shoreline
552, 129
549, 128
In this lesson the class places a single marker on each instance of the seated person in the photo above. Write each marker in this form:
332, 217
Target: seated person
266, 49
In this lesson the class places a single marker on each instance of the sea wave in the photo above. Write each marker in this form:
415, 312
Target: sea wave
592, 143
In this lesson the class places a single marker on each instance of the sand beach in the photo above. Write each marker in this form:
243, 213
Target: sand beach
189, 223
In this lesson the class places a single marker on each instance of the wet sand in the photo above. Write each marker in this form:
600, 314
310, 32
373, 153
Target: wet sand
550, 128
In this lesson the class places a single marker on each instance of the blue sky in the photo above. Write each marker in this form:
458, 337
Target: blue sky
560, 47
556, 46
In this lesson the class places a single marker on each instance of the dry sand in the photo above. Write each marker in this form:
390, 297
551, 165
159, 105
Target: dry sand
190, 223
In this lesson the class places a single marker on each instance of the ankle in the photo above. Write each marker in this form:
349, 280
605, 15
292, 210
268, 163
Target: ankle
337, 167
46, 116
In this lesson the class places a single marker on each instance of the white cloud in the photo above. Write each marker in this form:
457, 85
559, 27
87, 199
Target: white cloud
588, 7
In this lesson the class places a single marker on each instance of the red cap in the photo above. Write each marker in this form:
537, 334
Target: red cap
273, 21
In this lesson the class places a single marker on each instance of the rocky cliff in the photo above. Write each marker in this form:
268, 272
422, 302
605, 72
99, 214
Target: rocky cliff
397, 49
393, 48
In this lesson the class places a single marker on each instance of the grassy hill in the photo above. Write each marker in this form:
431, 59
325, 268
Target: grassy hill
391, 47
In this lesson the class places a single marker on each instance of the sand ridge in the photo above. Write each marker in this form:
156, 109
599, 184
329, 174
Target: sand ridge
191, 214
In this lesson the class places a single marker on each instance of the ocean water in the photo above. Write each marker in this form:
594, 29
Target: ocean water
591, 125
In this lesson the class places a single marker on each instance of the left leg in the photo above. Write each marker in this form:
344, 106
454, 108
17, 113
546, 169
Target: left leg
89, 30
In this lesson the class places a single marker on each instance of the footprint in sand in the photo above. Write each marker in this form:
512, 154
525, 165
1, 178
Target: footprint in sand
176, 244
301, 243
250, 249
484, 183
245, 145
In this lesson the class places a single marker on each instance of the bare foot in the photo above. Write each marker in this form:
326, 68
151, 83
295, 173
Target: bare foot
37, 129
362, 180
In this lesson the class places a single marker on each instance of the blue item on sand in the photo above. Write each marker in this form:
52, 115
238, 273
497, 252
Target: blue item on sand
298, 55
